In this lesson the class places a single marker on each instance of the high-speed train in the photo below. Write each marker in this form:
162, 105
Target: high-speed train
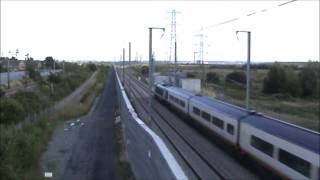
291, 151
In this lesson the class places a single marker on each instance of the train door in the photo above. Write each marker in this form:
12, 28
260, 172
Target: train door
166, 95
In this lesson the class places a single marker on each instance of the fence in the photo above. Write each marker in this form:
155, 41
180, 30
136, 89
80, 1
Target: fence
148, 156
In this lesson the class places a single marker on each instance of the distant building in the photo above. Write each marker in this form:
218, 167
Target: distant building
192, 85
22, 66
39, 64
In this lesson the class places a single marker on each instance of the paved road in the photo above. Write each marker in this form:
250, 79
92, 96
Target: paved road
18, 75
93, 155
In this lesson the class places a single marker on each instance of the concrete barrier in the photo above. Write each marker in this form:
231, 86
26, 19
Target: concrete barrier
148, 156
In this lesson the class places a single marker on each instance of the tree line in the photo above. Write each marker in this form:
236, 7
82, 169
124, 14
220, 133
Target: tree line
297, 84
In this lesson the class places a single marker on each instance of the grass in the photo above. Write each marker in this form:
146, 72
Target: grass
21, 148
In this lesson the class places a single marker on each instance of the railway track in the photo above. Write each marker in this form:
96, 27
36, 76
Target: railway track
202, 169
195, 153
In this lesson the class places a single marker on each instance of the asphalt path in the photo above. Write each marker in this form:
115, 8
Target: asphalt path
93, 155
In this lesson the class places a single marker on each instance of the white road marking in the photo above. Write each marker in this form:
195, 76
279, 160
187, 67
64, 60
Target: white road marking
48, 174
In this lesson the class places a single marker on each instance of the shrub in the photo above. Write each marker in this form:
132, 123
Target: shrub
292, 84
309, 78
54, 78
144, 70
33, 74
191, 75
236, 76
91, 67
275, 79
2, 92
281, 80
213, 77
11, 111
30, 101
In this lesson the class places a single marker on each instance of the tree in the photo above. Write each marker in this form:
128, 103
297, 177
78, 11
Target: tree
31, 71
292, 85
282, 80
54, 78
309, 78
213, 77
275, 79
144, 70
49, 61
3, 68
92, 67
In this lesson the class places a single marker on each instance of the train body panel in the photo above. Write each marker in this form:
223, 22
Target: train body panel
281, 155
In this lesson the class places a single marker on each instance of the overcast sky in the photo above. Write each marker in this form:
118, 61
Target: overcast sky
98, 30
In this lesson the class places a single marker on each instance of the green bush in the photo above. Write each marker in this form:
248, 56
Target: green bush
91, 67
236, 76
54, 78
281, 80
213, 77
310, 79
19, 149
274, 82
292, 84
33, 74
191, 75
30, 101
2, 92
144, 70
11, 111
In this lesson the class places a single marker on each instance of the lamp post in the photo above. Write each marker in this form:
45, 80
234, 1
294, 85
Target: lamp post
151, 65
129, 69
248, 68
123, 56
8, 70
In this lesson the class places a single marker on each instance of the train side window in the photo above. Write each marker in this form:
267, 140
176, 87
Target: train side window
261, 145
159, 91
295, 162
205, 115
166, 94
196, 111
170, 97
219, 123
230, 129
176, 100
182, 103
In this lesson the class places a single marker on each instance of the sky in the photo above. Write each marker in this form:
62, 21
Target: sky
99, 30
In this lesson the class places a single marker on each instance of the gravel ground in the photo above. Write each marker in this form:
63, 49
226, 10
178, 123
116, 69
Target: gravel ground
84, 148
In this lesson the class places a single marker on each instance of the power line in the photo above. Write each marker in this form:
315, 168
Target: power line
247, 15
288, 2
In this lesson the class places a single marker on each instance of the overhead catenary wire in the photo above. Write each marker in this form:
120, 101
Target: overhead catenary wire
247, 15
